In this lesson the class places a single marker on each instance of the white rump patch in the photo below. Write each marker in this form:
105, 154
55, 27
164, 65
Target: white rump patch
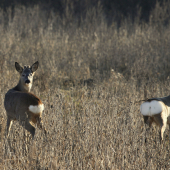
37, 108
151, 108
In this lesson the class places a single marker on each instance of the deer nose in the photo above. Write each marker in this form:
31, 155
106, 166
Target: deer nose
27, 81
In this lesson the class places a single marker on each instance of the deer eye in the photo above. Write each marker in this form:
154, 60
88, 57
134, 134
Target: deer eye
23, 75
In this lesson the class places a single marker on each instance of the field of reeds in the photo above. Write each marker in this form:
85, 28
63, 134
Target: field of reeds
91, 79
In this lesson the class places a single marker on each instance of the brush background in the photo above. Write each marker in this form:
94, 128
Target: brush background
99, 125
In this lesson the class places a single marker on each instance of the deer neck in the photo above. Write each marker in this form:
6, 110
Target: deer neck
23, 87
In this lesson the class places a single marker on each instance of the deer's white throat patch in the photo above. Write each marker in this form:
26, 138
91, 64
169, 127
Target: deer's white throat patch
37, 108
28, 86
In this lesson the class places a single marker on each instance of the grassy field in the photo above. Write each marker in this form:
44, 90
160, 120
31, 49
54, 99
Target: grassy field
94, 125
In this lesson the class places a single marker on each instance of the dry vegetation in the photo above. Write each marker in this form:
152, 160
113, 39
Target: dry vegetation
96, 126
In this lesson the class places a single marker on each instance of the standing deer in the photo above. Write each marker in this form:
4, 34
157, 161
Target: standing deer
157, 110
20, 104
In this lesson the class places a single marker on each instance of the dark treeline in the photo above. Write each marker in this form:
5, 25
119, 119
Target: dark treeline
113, 9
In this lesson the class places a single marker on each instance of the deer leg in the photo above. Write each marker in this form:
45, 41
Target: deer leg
169, 130
163, 127
29, 128
148, 120
145, 119
9, 124
163, 130
40, 125
162, 123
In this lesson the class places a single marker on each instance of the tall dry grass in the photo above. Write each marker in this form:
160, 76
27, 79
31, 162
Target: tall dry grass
96, 127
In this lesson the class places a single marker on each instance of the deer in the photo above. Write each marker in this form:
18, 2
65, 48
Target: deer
157, 110
22, 105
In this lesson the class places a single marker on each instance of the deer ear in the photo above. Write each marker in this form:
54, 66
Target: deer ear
34, 67
18, 67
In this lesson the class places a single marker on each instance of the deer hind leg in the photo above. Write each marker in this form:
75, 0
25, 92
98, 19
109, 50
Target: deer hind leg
29, 128
169, 129
163, 127
145, 119
162, 122
37, 120
9, 124
40, 124
148, 120
163, 130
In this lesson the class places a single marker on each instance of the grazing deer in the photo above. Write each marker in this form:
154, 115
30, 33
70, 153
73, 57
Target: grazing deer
22, 105
157, 110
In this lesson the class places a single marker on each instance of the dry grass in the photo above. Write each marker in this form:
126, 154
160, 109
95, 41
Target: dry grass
96, 127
